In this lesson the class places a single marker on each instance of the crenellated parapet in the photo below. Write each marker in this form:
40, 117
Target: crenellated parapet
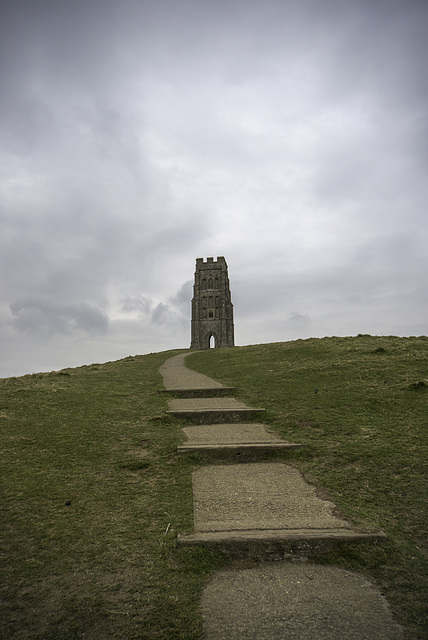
210, 263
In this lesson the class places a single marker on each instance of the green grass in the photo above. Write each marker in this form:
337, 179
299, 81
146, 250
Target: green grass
94, 492
361, 404
93, 497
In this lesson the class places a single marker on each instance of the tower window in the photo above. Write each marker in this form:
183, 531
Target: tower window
210, 314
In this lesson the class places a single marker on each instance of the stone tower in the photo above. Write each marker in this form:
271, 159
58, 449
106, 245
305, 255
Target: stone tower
212, 308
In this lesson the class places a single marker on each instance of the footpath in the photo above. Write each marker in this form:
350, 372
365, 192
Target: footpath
256, 511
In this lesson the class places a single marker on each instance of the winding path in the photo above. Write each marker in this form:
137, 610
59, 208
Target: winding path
264, 510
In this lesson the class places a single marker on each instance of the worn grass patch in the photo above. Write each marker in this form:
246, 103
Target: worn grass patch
93, 495
361, 404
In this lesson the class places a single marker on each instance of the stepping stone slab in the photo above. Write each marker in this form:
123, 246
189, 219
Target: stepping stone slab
242, 433
211, 410
241, 442
209, 392
295, 601
258, 497
201, 404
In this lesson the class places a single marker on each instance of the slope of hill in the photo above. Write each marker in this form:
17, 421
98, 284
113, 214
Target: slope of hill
94, 492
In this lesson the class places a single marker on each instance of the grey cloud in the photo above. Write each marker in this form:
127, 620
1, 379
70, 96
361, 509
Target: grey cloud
161, 314
299, 321
137, 136
182, 298
45, 318
175, 312
137, 303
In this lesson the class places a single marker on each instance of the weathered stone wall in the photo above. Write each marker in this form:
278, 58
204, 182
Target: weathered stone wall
212, 308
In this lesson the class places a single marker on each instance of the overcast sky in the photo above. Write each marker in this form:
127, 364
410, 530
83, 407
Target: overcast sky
289, 136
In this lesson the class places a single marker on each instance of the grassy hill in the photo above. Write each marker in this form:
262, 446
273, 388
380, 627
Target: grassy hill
94, 492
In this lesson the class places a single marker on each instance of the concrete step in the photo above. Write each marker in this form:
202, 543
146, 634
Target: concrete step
277, 544
229, 433
241, 442
216, 416
242, 452
295, 601
205, 410
265, 510
213, 392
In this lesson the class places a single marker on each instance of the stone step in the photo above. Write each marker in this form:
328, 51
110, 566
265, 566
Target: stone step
213, 392
241, 442
295, 601
211, 410
229, 433
193, 404
242, 452
277, 544
215, 416
265, 510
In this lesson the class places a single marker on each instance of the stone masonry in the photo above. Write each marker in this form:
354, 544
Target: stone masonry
212, 308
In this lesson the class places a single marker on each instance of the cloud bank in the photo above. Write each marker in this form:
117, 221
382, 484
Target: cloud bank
288, 137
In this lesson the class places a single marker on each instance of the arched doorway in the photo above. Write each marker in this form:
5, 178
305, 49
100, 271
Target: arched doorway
211, 342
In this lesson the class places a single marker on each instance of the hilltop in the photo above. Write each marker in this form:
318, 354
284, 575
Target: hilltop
94, 492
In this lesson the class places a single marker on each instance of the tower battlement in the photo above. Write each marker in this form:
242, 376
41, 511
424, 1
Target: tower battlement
212, 308
210, 263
